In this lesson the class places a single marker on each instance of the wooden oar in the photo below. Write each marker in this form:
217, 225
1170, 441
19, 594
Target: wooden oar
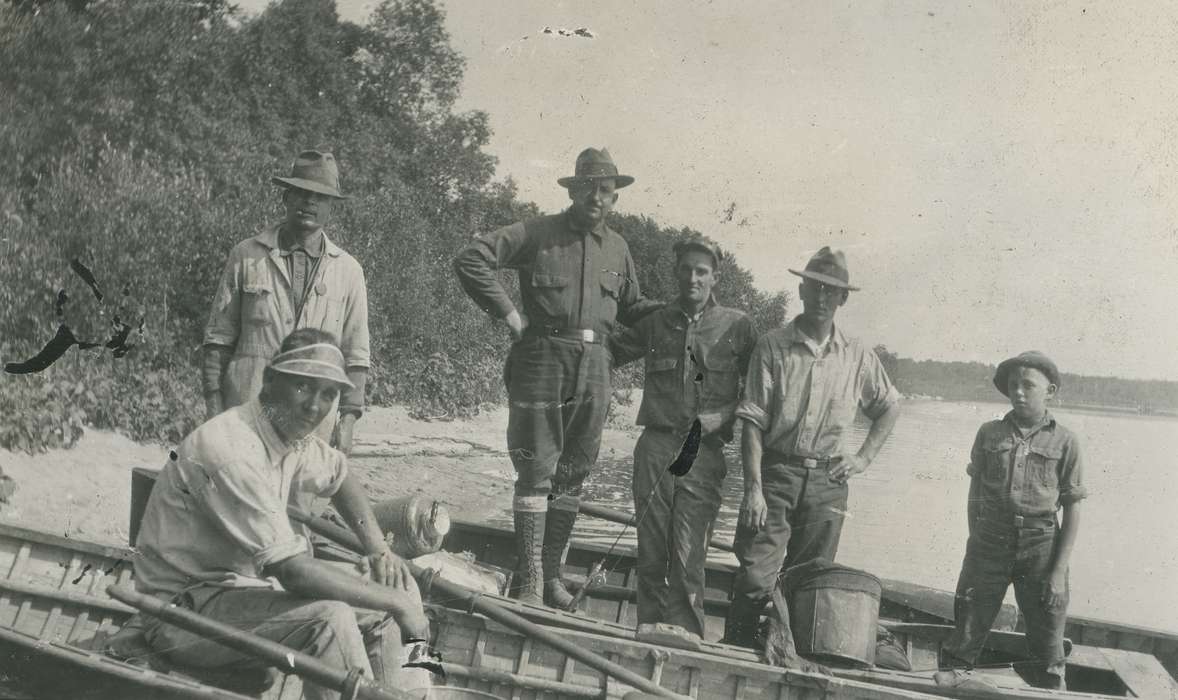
463, 598
278, 655
621, 517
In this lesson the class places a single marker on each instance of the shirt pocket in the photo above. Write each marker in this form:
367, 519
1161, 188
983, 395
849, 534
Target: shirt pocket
611, 284
661, 377
549, 291
721, 382
997, 458
1043, 465
257, 297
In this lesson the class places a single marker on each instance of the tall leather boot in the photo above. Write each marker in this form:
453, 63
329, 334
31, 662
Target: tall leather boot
557, 530
529, 544
740, 627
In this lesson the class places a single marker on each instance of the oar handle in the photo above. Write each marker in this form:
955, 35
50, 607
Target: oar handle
473, 600
621, 517
282, 657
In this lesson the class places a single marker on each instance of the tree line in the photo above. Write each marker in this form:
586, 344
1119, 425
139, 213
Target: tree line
973, 381
140, 138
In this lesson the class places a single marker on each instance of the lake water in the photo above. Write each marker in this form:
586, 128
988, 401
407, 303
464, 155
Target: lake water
907, 512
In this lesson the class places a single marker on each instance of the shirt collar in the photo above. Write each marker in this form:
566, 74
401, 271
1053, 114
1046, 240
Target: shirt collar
676, 307
276, 447
1046, 421
794, 334
571, 223
269, 238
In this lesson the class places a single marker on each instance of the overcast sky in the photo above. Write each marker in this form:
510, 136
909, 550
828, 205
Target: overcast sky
1001, 176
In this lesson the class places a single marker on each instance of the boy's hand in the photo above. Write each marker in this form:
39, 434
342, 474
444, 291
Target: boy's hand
753, 510
1055, 591
386, 568
845, 466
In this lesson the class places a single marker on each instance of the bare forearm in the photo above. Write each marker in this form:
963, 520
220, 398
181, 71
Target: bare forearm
751, 451
881, 428
306, 577
1069, 526
352, 503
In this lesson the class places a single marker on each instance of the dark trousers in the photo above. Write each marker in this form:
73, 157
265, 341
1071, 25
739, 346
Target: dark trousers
675, 519
805, 520
559, 393
995, 557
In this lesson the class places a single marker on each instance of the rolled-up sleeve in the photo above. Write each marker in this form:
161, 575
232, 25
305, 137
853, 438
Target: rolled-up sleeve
224, 321
354, 339
758, 386
478, 265
1071, 474
243, 506
877, 394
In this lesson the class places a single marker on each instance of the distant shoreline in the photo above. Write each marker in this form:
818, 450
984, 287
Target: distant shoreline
1163, 414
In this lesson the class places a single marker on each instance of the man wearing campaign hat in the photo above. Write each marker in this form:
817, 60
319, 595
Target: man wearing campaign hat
577, 281
804, 385
215, 536
289, 276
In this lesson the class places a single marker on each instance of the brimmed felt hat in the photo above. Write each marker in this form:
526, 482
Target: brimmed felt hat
319, 360
594, 164
700, 243
314, 171
1030, 358
828, 267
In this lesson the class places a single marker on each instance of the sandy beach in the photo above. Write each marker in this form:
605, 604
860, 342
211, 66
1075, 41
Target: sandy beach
85, 492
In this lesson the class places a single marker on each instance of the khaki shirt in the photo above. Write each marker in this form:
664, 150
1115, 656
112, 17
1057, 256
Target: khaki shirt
254, 309
568, 278
804, 399
1031, 475
217, 515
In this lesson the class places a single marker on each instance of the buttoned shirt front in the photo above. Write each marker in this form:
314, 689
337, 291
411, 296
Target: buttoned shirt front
254, 309
804, 398
569, 278
1029, 474
693, 365
217, 513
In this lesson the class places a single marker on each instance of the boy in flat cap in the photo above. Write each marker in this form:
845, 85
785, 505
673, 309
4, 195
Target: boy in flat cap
289, 276
577, 281
1022, 468
696, 354
804, 386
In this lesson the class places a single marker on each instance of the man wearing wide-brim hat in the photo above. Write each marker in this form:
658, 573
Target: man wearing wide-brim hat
289, 276
804, 385
577, 281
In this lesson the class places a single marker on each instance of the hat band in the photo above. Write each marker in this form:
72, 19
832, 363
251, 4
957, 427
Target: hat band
597, 170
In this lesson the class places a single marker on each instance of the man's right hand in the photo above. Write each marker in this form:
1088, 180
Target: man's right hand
753, 511
213, 404
518, 323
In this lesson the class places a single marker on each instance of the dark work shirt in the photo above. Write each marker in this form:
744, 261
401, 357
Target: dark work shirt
1028, 475
693, 365
568, 278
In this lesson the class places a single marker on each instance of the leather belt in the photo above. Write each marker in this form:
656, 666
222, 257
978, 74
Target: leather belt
1022, 522
809, 462
583, 335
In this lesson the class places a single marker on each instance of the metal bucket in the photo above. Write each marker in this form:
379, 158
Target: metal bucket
834, 612
418, 524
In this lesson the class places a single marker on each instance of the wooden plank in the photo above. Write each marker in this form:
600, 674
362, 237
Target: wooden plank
1142, 673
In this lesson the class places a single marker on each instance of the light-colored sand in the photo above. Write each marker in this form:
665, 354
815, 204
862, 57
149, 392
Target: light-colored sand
85, 492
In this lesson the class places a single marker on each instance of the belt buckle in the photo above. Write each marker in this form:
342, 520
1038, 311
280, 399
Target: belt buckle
1018, 521
809, 463
588, 336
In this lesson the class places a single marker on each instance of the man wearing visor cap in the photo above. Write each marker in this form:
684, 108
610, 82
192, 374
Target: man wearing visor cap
216, 538
577, 281
805, 384
289, 276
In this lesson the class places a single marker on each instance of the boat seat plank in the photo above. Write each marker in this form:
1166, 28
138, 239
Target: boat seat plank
1142, 673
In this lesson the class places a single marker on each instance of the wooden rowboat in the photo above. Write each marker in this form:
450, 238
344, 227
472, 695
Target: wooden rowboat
55, 617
